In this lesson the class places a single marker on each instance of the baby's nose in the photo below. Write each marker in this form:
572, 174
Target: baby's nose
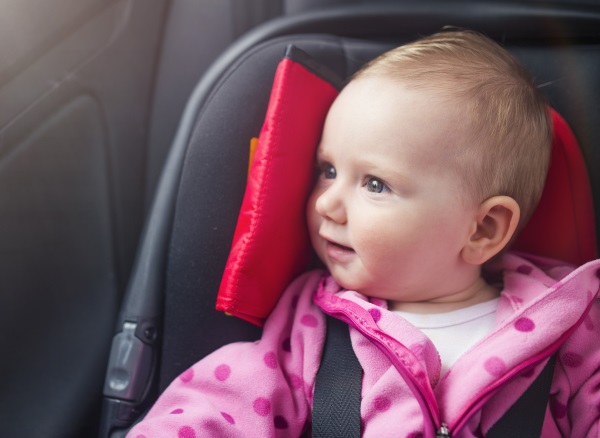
330, 205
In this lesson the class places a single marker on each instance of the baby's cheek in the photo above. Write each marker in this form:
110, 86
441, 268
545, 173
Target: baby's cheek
383, 257
382, 239
313, 223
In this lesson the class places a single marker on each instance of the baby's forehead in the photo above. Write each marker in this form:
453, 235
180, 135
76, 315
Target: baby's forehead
381, 107
372, 87
431, 106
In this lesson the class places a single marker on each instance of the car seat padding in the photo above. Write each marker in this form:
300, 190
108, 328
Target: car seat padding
562, 225
271, 221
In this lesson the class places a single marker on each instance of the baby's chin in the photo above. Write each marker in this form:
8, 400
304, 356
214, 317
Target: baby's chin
339, 279
361, 282
347, 283
362, 287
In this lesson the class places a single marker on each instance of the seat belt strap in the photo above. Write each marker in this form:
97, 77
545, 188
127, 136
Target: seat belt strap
525, 418
336, 405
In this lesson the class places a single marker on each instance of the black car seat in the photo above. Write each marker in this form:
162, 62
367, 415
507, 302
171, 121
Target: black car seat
168, 320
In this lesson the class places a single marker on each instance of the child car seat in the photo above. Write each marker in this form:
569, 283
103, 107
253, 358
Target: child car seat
168, 320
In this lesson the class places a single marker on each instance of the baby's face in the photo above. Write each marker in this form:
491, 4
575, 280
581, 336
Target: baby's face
387, 215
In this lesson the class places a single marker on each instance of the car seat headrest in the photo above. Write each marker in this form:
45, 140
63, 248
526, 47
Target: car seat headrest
562, 226
271, 245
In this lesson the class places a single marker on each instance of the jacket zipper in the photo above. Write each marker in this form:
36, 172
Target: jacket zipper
443, 432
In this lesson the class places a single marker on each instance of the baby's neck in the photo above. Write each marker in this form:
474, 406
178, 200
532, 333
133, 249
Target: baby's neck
478, 292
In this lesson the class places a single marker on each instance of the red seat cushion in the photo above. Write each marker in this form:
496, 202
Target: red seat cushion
562, 226
271, 245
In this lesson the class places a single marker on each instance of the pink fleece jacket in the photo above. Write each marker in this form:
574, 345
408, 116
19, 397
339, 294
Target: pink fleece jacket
265, 388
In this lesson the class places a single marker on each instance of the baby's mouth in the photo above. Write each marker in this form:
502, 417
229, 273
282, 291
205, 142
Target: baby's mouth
339, 246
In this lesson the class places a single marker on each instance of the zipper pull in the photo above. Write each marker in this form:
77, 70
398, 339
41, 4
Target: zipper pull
443, 432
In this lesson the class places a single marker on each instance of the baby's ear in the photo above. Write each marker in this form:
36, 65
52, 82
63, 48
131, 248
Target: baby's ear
494, 225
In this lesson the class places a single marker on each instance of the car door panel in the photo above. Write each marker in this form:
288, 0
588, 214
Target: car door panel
76, 85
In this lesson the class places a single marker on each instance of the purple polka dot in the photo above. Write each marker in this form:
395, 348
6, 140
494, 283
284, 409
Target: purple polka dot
177, 411
375, 314
228, 418
222, 372
524, 269
572, 360
558, 409
420, 374
262, 406
587, 322
140, 436
495, 366
296, 381
598, 273
382, 404
524, 324
415, 435
309, 321
280, 422
187, 375
186, 432
270, 360
286, 345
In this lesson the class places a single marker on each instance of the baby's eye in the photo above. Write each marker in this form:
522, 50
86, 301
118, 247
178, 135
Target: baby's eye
328, 171
375, 185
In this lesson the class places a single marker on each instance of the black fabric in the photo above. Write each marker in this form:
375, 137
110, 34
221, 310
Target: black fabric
526, 417
321, 70
336, 407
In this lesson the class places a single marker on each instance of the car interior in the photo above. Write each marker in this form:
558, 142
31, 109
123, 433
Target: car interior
124, 135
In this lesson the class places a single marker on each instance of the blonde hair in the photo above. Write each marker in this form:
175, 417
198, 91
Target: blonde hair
508, 146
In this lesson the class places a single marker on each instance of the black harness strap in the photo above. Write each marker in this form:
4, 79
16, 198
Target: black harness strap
336, 407
526, 417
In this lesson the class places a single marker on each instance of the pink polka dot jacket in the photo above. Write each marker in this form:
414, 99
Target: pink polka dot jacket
265, 388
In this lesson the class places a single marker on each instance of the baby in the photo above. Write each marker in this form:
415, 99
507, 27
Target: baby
431, 160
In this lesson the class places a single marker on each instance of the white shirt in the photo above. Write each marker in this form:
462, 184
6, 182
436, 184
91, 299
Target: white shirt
453, 333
